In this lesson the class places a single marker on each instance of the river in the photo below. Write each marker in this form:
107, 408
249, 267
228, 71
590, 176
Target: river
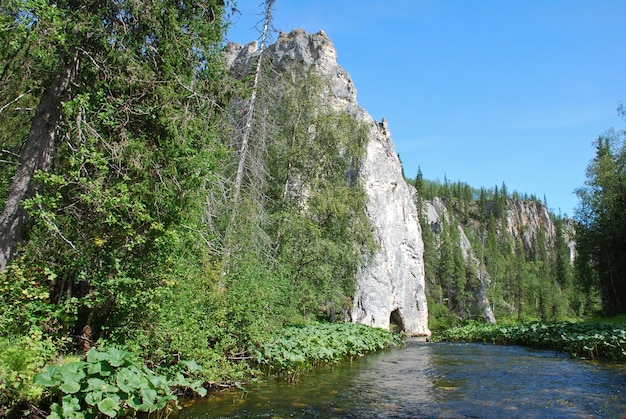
435, 380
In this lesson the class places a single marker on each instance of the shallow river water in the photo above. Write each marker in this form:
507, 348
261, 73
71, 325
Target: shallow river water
433, 380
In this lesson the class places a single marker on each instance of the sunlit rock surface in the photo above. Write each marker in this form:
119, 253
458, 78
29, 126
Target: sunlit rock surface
435, 212
390, 289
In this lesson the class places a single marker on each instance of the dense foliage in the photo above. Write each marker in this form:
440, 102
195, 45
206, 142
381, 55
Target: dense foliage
111, 383
601, 214
130, 235
20, 359
106, 223
526, 276
300, 349
319, 227
592, 340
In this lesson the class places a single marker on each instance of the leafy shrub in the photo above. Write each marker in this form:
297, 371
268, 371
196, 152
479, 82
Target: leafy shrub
301, 348
439, 317
109, 383
25, 301
593, 340
217, 329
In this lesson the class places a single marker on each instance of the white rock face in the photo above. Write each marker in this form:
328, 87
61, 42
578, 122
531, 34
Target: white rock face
391, 288
524, 219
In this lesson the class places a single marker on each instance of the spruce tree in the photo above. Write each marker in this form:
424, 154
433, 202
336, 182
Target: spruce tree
133, 90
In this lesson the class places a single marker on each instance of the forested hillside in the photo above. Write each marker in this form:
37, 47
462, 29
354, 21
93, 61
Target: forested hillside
503, 246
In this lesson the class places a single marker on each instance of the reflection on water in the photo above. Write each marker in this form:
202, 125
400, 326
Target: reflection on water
427, 380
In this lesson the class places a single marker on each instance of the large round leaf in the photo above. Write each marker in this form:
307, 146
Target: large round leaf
129, 379
109, 407
70, 387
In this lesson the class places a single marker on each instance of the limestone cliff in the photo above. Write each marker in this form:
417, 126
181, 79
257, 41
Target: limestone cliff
524, 226
435, 211
524, 219
390, 290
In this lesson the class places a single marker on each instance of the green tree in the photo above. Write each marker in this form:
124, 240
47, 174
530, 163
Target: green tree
322, 234
131, 88
601, 214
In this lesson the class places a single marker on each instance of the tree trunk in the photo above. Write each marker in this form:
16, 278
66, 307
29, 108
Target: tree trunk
36, 155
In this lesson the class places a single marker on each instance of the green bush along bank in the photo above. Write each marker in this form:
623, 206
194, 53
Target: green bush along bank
301, 348
590, 340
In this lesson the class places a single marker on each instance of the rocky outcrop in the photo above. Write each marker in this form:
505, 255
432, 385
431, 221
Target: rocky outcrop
526, 225
390, 289
435, 212
295, 49
526, 219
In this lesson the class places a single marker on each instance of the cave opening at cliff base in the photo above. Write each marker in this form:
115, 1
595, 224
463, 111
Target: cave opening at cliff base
396, 324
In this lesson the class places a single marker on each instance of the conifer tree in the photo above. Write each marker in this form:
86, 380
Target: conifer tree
601, 235
133, 89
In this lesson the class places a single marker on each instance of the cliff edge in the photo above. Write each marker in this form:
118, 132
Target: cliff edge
390, 290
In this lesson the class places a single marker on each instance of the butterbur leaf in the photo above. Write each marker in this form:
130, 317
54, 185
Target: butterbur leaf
73, 372
56, 412
134, 402
201, 391
93, 356
93, 398
109, 407
157, 381
128, 379
148, 395
117, 357
71, 408
101, 368
47, 378
70, 387
96, 384
163, 401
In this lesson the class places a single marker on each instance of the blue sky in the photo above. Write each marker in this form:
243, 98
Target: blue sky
482, 91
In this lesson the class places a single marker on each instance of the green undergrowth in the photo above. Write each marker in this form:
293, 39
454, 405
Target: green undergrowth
299, 349
112, 383
20, 359
590, 340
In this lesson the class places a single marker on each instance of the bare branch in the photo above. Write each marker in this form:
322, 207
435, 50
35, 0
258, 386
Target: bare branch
250, 115
54, 227
13, 101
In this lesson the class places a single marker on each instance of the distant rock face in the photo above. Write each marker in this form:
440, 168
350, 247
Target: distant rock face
525, 219
435, 212
390, 290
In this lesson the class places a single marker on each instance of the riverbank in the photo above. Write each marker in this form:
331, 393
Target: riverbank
299, 349
591, 340
117, 383
434, 380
